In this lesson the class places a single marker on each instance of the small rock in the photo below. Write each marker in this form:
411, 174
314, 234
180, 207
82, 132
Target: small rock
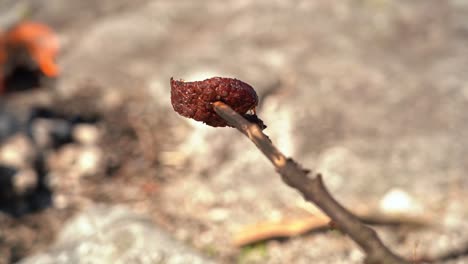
218, 214
79, 160
18, 151
397, 201
89, 160
60, 201
86, 134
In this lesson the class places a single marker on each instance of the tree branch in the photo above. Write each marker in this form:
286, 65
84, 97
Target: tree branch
312, 189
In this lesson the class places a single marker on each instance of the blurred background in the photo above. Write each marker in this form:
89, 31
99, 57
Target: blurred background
96, 167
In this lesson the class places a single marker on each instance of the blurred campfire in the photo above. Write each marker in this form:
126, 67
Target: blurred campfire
28, 51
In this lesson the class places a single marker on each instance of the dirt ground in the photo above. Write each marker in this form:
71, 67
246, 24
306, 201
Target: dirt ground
372, 93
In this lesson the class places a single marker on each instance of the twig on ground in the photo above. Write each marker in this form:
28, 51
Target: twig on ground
279, 229
313, 189
300, 225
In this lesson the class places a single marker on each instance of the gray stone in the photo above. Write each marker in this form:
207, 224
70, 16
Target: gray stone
104, 234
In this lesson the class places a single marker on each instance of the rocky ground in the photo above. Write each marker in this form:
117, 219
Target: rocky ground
372, 93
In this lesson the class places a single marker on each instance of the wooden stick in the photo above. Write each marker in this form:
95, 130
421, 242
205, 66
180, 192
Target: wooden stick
312, 189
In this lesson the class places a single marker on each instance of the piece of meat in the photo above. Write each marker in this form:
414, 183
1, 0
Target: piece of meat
194, 99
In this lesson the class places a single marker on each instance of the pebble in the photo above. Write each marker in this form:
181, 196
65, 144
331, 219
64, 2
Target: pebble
218, 214
86, 134
81, 160
18, 151
89, 160
397, 201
